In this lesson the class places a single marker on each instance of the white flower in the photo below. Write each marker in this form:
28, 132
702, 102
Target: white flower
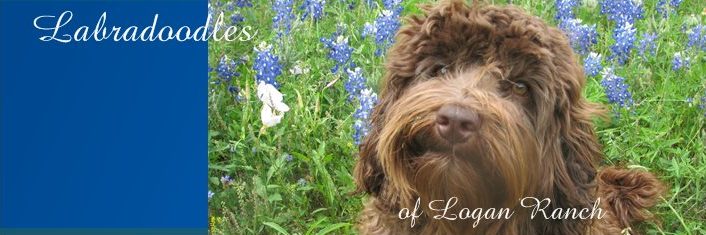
273, 108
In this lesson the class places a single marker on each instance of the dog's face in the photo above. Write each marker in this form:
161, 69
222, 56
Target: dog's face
483, 104
460, 133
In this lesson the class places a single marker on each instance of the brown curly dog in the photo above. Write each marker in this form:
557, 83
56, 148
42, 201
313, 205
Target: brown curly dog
482, 129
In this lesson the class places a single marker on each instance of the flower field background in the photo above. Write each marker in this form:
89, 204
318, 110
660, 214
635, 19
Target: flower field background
287, 109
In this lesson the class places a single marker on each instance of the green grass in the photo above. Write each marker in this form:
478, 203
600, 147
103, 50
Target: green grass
662, 133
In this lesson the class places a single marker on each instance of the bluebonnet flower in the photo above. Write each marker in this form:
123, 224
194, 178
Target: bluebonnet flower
616, 89
675, 3
647, 44
624, 42
339, 51
680, 61
351, 5
226, 180
368, 30
288, 157
391, 4
236, 18
212, 14
226, 69
243, 3
697, 37
266, 65
581, 36
230, 6
702, 106
233, 89
210, 194
283, 16
689, 101
565, 9
384, 29
665, 9
355, 83
235, 92
313, 9
367, 100
592, 64
622, 11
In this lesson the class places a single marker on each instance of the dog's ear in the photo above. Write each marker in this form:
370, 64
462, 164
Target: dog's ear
574, 164
575, 151
581, 152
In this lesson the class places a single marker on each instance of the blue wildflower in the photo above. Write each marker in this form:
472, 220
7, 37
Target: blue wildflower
288, 157
368, 30
212, 14
680, 61
384, 29
230, 6
647, 44
702, 106
355, 83
339, 50
624, 42
565, 9
581, 36
697, 37
266, 65
351, 5
592, 64
313, 9
283, 16
675, 3
226, 180
616, 89
235, 92
236, 18
226, 69
233, 89
622, 11
210, 194
367, 100
391, 4
665, 9
243, 3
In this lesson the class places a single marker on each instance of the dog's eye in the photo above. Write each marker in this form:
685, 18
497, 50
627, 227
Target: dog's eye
519, 88
443, 70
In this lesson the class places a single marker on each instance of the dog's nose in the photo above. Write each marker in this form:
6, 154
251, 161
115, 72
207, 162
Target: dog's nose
456, 123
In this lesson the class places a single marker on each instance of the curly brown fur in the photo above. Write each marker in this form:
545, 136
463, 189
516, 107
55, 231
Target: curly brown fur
536, 142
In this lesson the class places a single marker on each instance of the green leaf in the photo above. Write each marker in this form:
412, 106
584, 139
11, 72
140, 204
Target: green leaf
332, 228
217, 167
274, 197
215, 180
275, 226
314, 226
319, 210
